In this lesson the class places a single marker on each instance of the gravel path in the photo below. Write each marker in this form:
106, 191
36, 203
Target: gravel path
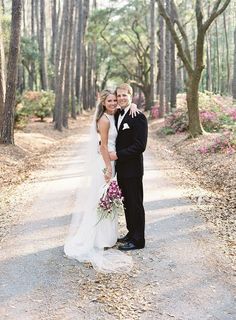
181, 274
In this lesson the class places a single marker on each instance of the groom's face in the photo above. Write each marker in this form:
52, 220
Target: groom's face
123, 98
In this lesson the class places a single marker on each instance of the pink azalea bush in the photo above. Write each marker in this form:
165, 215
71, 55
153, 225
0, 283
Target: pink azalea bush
225, 143
209, 120
176, 122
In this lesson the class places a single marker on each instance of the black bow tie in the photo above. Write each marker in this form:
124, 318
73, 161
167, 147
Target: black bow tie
121, 112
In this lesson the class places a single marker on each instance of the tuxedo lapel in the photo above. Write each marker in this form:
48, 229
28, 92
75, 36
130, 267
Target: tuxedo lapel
116, 120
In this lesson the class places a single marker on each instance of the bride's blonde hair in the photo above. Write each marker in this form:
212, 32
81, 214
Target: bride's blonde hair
101, 106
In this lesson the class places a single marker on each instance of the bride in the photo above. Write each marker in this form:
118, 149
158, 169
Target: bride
89, 235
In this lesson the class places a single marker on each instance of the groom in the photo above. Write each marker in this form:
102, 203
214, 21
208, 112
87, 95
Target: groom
130, 145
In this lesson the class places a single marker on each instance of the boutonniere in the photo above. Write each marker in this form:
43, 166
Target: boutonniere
125, 126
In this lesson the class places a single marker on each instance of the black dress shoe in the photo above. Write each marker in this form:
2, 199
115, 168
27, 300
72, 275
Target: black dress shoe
129, 246
124, 239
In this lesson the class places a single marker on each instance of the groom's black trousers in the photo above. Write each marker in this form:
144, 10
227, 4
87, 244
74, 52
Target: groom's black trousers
132, 190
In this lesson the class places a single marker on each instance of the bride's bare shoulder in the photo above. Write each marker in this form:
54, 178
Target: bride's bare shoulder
103, 122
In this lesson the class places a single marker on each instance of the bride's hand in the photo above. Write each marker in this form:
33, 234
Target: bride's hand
107, 174
134, 110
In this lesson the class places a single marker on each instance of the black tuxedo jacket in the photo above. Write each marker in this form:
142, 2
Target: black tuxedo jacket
130, 145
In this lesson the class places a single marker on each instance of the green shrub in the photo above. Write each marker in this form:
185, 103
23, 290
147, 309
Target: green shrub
39, 104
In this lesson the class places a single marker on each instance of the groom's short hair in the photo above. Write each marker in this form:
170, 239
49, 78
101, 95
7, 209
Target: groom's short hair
125, 86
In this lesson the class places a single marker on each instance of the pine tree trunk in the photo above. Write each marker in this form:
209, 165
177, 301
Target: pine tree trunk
54, 41
208, 67
234, 76
7, 134
85, 79
227, 55
73, 64
68, 66
172, 68
217, 59
79, 41
153, 60
61, 76
2, 74
43, 64
161, 68
167, 63
32, 80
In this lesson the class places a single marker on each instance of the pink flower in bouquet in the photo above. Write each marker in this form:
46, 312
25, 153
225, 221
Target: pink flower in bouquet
111, 202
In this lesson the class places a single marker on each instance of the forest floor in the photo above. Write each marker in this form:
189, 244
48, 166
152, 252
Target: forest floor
209, 179
184, 273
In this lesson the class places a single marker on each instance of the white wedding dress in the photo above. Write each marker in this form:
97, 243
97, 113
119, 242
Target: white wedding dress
88, 236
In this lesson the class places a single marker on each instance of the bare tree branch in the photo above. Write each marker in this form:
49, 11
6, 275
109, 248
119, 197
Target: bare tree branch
117, 57
182, 31
214, 14
170, 25
199, 15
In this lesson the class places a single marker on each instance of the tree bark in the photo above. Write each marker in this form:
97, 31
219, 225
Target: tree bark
7, 134
153, 58
217, 59
227, 55
161, 67
73, 64
61, 76
208, 69
167, 62
2, 74
172, 67
79, 50
195, 126
66, 100
31, 70
43, 64
234, 76
54, 41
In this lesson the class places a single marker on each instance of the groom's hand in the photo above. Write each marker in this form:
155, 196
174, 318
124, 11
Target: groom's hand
113, 156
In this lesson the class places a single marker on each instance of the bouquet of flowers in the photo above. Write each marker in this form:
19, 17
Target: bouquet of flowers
111, 202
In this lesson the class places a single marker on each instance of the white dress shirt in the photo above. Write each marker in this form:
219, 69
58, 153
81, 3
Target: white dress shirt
121, 117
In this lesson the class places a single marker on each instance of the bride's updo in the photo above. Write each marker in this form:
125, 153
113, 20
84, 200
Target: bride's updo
101, 106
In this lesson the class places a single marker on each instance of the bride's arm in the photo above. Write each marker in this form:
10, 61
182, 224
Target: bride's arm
104, 126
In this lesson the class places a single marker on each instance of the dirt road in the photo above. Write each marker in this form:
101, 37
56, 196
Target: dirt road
181, 274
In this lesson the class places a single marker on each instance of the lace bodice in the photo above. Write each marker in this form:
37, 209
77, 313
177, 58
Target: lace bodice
112, 134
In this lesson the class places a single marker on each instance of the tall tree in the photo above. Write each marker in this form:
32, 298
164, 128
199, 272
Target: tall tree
2, 72
227, 54
73, 62
85, 73
234, 76
167, 61
79, 42
61, 71
161, 67
67, 85
153, 54
172, 65
54, 40
7, 134
43, 63
194, 69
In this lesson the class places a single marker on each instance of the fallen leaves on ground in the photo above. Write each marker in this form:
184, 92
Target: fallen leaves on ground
210, 179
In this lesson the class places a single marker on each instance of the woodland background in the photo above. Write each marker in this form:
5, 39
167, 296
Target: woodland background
57, 55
